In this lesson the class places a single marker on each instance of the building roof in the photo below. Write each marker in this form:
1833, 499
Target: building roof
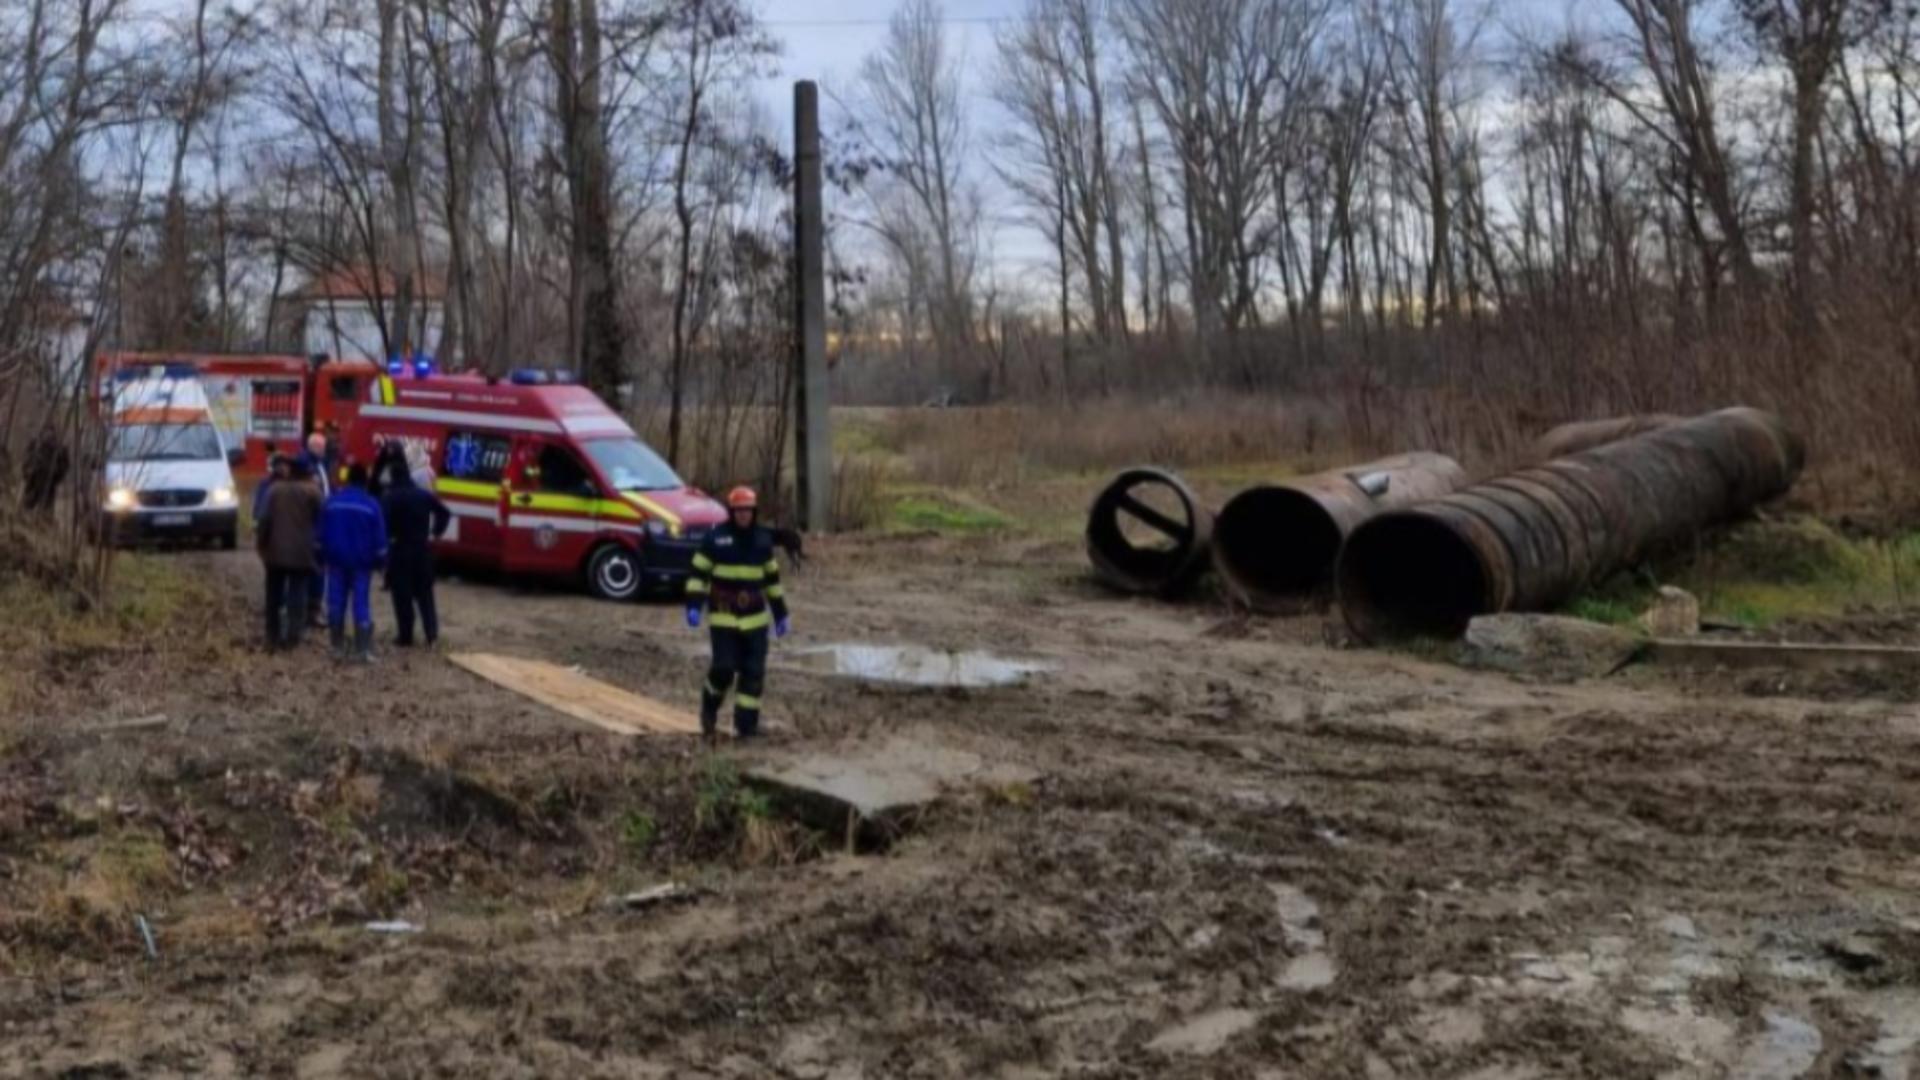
358, 283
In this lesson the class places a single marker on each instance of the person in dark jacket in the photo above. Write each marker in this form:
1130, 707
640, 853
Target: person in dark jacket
47, 465
285, 533
353, 544
415, 519
735, 585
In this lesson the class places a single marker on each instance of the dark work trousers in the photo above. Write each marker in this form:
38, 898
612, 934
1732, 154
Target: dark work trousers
317, 592
410, 573
742, 653
286, 606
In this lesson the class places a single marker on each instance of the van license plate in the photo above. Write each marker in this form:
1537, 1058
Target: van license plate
166, 521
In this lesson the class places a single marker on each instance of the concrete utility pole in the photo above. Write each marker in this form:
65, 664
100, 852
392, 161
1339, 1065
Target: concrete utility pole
813, 434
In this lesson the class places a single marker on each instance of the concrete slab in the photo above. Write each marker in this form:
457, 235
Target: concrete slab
874, 790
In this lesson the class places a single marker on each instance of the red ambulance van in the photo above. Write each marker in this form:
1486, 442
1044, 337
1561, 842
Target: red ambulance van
542, 478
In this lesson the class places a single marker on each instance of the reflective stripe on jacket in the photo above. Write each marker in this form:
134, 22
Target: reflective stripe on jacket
737, 577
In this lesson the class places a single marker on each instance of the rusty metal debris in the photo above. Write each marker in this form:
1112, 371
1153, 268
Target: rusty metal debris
1530, 539
1276, 544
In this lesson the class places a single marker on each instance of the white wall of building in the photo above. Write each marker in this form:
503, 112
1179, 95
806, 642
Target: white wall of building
348, 330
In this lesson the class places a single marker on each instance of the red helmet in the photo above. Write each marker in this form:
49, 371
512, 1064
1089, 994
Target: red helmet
742, 498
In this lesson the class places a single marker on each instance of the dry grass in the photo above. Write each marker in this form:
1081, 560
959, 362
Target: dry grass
986, 447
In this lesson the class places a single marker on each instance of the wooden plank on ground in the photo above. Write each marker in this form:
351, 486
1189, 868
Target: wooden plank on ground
583, 698
1696, 652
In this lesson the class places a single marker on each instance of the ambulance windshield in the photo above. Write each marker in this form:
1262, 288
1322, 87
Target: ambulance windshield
164, 442
630, 465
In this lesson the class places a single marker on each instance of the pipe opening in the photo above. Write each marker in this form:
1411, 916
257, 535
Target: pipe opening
1410, 575
1145, 533
1274, 544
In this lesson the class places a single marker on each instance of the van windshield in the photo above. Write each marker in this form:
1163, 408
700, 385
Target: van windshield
630, 465
165, 442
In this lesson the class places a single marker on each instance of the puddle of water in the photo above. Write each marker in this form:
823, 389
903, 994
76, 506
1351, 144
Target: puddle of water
1299, 917
1204, 1034
1893, 1053
1696, 1039
1300, 925
1314, 971
912, 665
1785, 1051
1451, 1028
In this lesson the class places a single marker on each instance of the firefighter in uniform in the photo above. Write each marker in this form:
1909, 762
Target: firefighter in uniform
736, 585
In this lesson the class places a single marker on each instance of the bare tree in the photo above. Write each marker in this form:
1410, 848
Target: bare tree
1683, 115
208, 43
1052, 80
913, 97
711, 41
1807, 36
1224, 80
1427, 49
597, 339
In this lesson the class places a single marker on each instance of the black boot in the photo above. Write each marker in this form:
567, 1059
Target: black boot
363, 644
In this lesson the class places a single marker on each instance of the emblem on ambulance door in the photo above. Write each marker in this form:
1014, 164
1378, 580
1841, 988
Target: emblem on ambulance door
545, 537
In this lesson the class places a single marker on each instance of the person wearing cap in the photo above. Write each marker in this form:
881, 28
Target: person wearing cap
735, 589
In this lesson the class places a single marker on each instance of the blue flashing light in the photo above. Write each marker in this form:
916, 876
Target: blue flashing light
541, 377
395, 366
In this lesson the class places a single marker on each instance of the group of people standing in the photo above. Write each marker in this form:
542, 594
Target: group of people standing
317, 539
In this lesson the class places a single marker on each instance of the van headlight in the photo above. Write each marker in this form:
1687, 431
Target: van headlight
120, 498
222, 496
656, 527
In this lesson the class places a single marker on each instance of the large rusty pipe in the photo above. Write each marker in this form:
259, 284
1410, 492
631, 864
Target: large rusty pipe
1276, 544
1583, 435
1165, 549
1529, 540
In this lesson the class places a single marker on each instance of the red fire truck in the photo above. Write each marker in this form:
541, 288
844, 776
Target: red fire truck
543, 479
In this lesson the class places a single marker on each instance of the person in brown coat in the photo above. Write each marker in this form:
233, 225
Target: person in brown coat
287, 535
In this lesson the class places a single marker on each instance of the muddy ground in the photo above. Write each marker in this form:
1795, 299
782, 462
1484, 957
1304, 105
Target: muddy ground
1253, 853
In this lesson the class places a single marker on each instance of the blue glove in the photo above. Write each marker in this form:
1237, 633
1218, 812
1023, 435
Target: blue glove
693, 616
782, 626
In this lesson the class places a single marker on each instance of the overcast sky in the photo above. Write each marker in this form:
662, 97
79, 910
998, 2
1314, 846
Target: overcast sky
826, 40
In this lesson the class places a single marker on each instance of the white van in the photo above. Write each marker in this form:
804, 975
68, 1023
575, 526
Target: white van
168, 477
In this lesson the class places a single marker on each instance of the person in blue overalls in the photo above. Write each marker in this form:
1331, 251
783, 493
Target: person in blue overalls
353, 544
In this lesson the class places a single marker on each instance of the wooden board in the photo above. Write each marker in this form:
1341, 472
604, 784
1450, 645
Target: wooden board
1698, 652
576, 695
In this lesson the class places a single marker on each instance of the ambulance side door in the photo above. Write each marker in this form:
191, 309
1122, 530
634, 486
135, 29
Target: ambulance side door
548, 509
472, 469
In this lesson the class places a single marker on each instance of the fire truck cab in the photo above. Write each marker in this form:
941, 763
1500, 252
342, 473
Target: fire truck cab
542, 477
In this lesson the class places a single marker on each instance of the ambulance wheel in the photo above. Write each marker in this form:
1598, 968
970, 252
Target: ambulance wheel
613, 573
